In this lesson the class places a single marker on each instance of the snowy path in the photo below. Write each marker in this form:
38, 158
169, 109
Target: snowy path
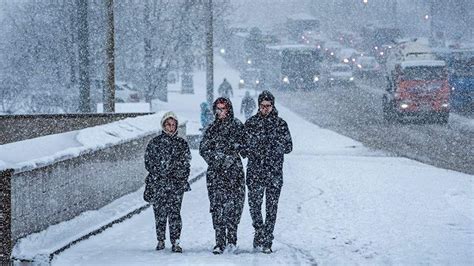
341, 203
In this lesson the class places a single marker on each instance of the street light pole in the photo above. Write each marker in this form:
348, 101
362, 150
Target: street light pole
395, 15
209, 57
109, 92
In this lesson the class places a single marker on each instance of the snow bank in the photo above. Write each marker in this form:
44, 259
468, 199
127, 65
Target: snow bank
45, 150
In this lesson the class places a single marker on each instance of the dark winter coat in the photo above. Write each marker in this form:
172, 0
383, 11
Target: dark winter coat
223, 140
167, 160
267, 139
248, 105
225, 89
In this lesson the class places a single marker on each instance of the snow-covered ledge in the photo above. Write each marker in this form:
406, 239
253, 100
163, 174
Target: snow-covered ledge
59, 176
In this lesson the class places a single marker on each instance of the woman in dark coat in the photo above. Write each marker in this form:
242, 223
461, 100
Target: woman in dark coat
221, 148
167, 159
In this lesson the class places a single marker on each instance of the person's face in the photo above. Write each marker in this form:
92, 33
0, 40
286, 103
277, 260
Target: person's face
170, 126
222, 110
265, 107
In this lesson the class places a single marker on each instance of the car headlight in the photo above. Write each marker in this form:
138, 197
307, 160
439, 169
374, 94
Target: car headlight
359, 65
331, 79
315, 79
445, 105
346, 60
453, 88
257, 81
351, 78
286, 80
241, 81
404, 105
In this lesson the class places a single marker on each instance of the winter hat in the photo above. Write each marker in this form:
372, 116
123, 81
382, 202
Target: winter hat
167, 115
266, 96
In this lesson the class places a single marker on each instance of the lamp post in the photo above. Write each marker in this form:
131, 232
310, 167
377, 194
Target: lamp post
209, 56
109, 92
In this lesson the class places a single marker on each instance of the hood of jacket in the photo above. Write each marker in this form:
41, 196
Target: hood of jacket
229, 106
165, 117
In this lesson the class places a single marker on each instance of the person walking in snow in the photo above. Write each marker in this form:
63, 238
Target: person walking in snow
225, 89
221, 147
206, 115
248, 105
267, 140
167, 160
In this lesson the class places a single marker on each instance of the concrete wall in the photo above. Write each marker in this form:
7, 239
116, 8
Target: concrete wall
20, 127
61, 191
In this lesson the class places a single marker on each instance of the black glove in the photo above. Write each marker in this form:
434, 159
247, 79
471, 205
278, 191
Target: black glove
228, 161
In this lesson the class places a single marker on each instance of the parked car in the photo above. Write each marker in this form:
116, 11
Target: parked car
340, 74
367, 66
124, 92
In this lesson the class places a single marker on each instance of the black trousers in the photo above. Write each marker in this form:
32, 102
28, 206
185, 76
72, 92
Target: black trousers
264, 229
226, 211
168, 208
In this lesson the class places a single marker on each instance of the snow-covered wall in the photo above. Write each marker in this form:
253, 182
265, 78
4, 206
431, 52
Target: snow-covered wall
21, 127
61, 191
60, 176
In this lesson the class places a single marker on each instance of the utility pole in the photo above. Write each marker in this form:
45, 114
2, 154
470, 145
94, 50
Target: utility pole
432, 15
395, 15
209, 57
83, 43
109, 93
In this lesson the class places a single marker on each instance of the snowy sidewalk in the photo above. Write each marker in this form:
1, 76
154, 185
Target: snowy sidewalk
340, 203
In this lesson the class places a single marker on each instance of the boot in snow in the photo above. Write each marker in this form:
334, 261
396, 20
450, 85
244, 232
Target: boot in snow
218, 250
160, 245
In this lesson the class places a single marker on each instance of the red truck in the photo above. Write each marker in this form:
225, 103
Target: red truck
417, 89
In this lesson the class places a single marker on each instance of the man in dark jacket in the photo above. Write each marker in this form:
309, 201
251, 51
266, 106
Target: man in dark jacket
248, 105
221, 147
267, 140
167, 160
225, 89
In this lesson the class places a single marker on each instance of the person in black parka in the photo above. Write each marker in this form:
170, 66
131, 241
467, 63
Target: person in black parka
267, 140
248, 105
225, 89
221, 147
167, 160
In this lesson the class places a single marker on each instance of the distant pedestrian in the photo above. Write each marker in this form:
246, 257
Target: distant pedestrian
267, 140
248, 105
225, 89
167, 160
221, 147
206, 115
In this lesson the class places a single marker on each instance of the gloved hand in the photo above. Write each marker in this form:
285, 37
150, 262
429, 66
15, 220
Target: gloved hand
228, 161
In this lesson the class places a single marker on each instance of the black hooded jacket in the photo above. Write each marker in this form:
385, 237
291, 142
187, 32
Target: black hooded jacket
167, 160
223, 140
267, 140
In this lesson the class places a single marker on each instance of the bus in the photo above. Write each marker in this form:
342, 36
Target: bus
292, 67
461, 79
299, 24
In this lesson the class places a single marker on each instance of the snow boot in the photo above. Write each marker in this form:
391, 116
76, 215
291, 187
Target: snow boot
267, 250
160, 245
176, 248
218, 250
